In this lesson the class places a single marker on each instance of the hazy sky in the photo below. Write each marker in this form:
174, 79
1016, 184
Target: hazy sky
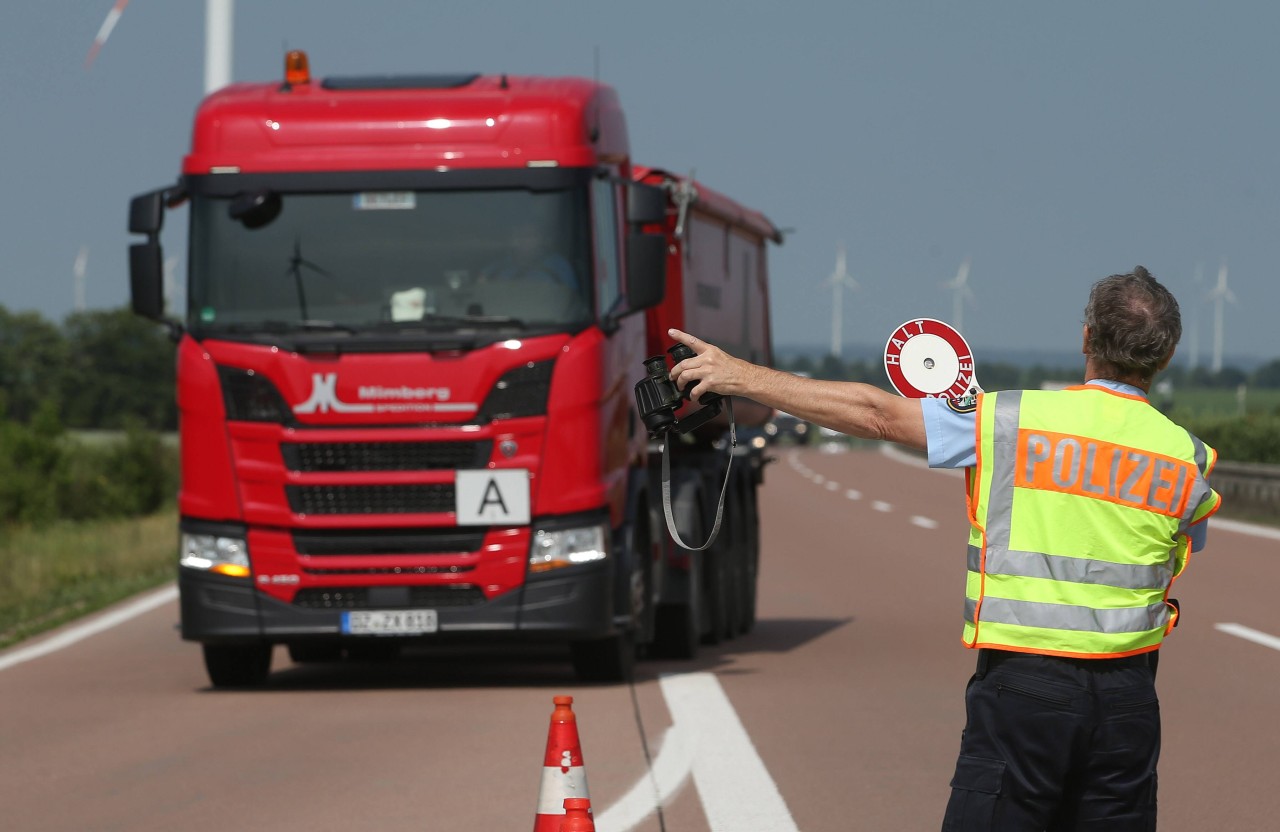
1052, 143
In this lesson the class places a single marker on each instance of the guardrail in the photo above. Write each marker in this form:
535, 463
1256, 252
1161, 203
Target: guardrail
1248, 486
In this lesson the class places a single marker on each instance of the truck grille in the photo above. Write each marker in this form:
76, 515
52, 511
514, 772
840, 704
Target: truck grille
388, 541
370, 499
385, 456
387, 570
355, 598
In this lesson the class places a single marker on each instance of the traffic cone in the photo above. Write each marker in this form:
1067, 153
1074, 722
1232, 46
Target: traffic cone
563, 775
577, 815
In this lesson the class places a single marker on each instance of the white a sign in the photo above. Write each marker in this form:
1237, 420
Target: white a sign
489, 497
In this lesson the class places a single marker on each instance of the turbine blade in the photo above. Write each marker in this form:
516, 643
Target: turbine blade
104, 31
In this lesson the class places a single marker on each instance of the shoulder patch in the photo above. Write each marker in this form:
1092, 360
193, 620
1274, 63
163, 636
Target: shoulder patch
964, 404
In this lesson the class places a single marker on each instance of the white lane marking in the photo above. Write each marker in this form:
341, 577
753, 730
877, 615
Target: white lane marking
853, 494
923, 522
1249, 634
881, 505
819, 479
670, 770
80, 632
833, 486
735, 788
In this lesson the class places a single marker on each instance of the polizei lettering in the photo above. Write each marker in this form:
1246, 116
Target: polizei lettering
1103, 471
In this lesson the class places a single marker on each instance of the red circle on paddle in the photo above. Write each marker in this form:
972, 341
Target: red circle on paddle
926, 358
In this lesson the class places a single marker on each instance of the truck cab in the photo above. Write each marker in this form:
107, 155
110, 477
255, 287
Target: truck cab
404, 370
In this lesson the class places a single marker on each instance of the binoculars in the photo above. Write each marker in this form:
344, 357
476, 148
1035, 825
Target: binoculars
658, 398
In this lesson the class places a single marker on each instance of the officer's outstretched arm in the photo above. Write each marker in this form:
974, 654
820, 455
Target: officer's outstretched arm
849, 407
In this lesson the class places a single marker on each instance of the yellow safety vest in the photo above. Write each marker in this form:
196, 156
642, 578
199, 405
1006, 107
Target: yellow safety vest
1079, 508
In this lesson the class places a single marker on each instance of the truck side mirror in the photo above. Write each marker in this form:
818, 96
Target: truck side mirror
646, 270
646, 204
146, 260
146, 213
146, 279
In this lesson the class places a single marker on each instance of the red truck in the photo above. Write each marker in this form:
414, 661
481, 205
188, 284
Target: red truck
416, 310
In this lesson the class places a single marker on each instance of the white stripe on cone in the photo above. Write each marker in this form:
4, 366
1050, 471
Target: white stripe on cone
557, 784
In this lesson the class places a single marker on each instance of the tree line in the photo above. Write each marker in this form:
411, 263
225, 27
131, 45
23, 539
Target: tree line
103, 369
99, 370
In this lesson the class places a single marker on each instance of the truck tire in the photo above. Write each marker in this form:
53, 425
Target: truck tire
678, 622
611, 659
715, 598
237, 665
751, 564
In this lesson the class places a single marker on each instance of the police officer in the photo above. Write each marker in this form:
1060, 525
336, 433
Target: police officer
1083, 505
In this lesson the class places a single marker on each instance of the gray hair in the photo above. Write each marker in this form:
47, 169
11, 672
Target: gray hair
1133, 321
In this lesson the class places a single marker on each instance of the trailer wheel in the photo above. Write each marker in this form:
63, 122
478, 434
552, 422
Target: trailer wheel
237, 665
678, 630
611, 659
717, 596
678, 622
751, 559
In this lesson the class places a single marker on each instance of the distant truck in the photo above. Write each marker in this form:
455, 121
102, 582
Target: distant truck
416, 307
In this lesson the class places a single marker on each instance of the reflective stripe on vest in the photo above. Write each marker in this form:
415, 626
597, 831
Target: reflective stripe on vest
1099, 524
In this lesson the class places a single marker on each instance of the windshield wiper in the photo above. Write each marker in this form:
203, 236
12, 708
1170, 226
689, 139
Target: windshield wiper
276, 327
441, 321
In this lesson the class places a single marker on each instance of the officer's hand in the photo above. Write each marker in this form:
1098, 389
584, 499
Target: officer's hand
714, 370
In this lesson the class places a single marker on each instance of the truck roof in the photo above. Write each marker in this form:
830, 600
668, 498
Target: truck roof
408, 122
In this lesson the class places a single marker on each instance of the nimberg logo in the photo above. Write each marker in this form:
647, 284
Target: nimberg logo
404, 399
437, 393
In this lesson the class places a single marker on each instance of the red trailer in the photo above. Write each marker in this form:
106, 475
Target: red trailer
416, 309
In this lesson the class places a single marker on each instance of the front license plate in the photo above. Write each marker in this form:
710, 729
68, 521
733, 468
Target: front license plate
389, 622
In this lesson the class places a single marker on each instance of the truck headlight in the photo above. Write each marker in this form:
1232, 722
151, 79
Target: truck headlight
213, 553
554, 548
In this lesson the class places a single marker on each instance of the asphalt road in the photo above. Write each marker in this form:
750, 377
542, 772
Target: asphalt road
842, 710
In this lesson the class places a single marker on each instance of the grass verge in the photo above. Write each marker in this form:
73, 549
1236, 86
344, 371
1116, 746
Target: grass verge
54, 574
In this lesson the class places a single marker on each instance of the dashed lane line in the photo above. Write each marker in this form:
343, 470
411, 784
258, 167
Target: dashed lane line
882, 506
923, 522
1250, 634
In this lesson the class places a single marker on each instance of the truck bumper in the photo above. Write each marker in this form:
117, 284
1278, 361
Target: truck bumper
566, 604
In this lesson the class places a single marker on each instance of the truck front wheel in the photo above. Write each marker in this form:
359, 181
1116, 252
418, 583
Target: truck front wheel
237, 665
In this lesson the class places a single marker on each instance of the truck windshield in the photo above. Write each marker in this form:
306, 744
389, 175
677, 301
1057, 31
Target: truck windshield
380, 261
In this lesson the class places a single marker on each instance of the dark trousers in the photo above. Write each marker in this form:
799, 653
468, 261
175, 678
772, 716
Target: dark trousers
1053, 744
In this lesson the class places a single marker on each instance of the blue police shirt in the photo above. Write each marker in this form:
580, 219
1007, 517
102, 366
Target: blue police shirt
952, 439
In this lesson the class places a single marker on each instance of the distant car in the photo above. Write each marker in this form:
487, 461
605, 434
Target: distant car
784, 426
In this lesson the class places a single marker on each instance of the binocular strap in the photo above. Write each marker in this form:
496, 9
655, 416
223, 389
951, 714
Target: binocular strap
666, 486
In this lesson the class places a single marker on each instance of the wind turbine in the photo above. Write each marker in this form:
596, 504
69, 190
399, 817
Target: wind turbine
170, 285
218, 16
960, 292
1218, 294
80, 271
838, 281
1194, 360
